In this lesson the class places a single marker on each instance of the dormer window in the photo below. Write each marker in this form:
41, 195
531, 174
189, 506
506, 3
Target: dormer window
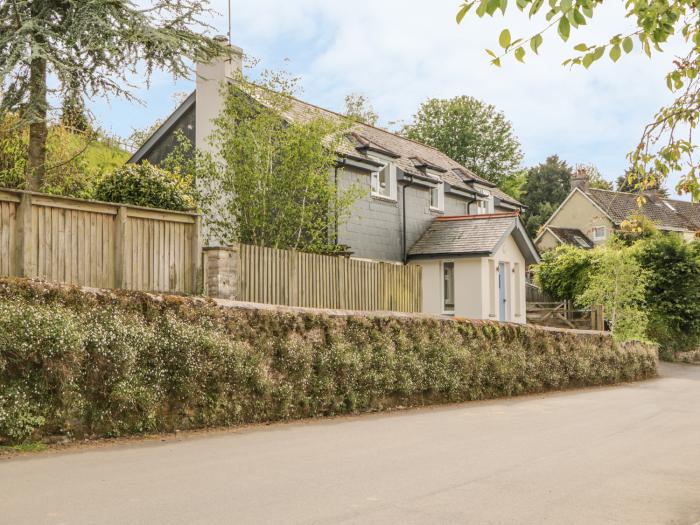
485, 205
437, 197
384, 182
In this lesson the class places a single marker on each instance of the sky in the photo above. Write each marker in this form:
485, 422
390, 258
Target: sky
399, 53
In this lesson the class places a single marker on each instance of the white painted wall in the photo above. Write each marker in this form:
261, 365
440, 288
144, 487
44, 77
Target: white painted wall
210, 78
476, 284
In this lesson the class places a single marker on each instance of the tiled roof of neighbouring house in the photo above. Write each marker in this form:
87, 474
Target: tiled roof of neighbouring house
572, 236
472, 235
667, 214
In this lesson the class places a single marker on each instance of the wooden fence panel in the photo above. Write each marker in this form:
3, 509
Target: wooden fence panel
98, 244
289, 278
8, 226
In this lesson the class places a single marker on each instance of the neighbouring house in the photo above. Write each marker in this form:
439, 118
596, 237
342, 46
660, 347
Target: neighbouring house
414, 193
588, 216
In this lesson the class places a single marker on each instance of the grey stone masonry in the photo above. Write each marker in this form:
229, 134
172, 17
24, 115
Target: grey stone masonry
221, 272
374, 228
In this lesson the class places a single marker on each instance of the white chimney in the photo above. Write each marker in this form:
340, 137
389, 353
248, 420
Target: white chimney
211, 77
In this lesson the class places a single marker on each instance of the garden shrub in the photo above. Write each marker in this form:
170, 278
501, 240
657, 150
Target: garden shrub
86, 363
147, 185
564, 272
673, 292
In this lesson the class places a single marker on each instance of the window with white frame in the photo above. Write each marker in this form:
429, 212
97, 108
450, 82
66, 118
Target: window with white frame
384, 181
437, 197
484, 206
448, 287
600, 233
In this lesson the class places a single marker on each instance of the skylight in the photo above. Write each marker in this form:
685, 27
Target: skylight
581, 242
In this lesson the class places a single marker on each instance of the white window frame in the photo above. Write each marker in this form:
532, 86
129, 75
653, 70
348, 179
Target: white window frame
440, 192
596, 237
445, 310
392, 194
484, 206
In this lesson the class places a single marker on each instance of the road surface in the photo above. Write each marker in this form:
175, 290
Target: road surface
628, 454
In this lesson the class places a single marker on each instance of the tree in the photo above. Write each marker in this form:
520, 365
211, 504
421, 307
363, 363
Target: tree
274, 186
92, 48
359, 108
595, 177
661, 148
473, 133
631, 184
564, 272
673, 291
618, 283
514, 184
74, 115
546, 187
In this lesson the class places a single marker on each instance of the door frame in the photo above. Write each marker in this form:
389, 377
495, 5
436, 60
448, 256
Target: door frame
502, 292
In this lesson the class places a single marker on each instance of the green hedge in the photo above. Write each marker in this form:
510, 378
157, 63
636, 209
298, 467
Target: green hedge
111, 363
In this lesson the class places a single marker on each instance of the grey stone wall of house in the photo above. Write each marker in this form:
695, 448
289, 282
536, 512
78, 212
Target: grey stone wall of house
186, 125
373, 230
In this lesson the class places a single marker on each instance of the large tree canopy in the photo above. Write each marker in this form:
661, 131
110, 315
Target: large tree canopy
91, 47
473, 133
359, 108
546, 187
666, 144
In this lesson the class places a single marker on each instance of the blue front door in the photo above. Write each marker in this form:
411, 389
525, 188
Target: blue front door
502, 295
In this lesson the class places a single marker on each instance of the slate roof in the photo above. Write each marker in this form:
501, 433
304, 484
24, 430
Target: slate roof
410, 156
572, 236
472, 235
667, 214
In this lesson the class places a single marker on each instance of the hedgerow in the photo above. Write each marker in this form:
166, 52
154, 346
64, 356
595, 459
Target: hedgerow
88, 364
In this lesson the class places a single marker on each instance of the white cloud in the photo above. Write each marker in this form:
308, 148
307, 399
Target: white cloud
400, 52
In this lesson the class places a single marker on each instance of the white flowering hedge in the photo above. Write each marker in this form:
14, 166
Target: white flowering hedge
112, 363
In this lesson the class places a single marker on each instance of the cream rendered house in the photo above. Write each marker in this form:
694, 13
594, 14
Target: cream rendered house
588, 216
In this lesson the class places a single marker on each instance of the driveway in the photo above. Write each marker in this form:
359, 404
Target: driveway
627, 454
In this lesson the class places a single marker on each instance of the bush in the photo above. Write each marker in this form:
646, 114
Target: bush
673, 292
564, 273
146, 185
112, 363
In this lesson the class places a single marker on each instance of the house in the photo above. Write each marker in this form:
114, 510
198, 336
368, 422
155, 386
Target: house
412, 190
588, 216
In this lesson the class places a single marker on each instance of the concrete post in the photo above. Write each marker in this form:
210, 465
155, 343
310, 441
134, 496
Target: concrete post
221, 268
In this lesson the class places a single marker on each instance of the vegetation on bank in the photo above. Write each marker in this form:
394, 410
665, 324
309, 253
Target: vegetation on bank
649, 283
113, 363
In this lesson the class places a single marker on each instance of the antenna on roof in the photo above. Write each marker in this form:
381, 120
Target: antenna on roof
229, 22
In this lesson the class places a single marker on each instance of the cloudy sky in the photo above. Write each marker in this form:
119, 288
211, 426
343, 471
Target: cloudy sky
400, 52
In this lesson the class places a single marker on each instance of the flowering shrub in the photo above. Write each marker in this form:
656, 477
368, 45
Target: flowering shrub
113, 363
147, 185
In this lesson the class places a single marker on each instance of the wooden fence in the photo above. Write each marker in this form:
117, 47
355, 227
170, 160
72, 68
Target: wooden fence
290, 278
98, 244
564, 315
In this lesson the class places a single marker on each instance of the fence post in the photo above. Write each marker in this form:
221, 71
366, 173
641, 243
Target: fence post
23, 231
120, 224
196, 256
599, 318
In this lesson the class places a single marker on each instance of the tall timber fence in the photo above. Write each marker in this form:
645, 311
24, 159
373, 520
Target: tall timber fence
99, 244
290, 278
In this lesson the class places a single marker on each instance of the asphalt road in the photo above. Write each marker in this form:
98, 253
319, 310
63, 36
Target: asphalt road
628, 454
